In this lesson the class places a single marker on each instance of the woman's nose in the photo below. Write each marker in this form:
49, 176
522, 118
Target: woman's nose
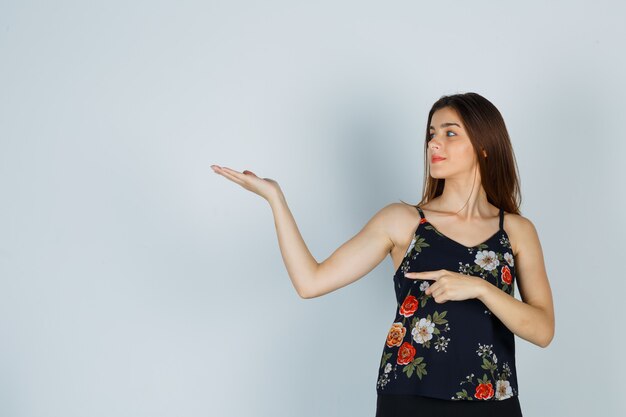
434, 141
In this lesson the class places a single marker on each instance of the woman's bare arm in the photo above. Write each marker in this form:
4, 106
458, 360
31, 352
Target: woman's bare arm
348, 263
351, 261
532, 318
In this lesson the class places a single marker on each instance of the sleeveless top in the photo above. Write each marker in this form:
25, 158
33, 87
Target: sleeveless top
455, 350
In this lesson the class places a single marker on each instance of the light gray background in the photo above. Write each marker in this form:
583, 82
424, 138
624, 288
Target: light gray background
136, 282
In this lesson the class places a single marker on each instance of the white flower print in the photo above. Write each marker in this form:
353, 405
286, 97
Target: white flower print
423, 331
509, 259
487, 260
442, 343
385, 377
503, 390
382, 381
465, 269
424, 285
484, 350
501, 384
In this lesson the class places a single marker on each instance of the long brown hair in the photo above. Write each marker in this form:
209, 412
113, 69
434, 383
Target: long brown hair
486, 130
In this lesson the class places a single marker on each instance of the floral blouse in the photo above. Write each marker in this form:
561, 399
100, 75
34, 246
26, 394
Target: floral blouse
456, 350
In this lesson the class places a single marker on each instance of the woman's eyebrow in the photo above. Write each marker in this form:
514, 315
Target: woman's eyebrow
446, 125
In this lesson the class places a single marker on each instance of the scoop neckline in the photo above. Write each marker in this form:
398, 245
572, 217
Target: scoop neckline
424, 221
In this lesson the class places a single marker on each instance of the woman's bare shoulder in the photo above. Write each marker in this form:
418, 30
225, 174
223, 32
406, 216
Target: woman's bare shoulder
399, 218
518, 228
400, 212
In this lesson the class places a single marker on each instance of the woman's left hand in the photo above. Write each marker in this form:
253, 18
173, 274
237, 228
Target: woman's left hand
450, 286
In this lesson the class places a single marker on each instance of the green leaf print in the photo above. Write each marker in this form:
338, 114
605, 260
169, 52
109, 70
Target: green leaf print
488, 365
483, 380
408, 369
420, 370
417, 367
463, 394
384, 359
430, 227
439, 318
420, 243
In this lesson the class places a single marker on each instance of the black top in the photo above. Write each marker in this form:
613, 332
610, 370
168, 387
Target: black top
456, 350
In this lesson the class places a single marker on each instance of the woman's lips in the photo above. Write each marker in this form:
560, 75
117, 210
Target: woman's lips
437, 159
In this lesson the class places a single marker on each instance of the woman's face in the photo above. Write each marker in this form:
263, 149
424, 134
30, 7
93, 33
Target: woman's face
448, 139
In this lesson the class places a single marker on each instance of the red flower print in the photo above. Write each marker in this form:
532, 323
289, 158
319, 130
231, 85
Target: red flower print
484, 391
507, 278
409, 306
396, 334
406, 353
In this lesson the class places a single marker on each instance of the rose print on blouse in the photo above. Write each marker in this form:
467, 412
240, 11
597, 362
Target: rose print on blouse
423, 330
409, 306
492, 266
495, 264
483, 388
421, 299
413, 330
487, 260
505, 273
396, 335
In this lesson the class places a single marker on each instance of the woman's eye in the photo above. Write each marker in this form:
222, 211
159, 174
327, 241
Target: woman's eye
449, 131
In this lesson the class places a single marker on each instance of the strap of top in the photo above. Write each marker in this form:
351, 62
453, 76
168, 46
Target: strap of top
421, 212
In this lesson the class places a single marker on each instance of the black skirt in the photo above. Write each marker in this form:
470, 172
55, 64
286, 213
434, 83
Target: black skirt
416, 405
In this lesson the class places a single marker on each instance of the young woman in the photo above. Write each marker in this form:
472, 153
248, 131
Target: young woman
457, 255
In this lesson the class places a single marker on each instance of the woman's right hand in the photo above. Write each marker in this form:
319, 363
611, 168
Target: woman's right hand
265, 187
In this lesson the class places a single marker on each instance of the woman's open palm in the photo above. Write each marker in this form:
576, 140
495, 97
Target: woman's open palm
265, 187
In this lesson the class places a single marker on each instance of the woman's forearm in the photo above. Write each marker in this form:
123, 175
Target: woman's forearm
301, 265
528, 322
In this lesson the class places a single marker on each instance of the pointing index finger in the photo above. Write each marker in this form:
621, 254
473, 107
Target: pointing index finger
422, 275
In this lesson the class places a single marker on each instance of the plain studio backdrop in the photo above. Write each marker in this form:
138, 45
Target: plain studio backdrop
136, 282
